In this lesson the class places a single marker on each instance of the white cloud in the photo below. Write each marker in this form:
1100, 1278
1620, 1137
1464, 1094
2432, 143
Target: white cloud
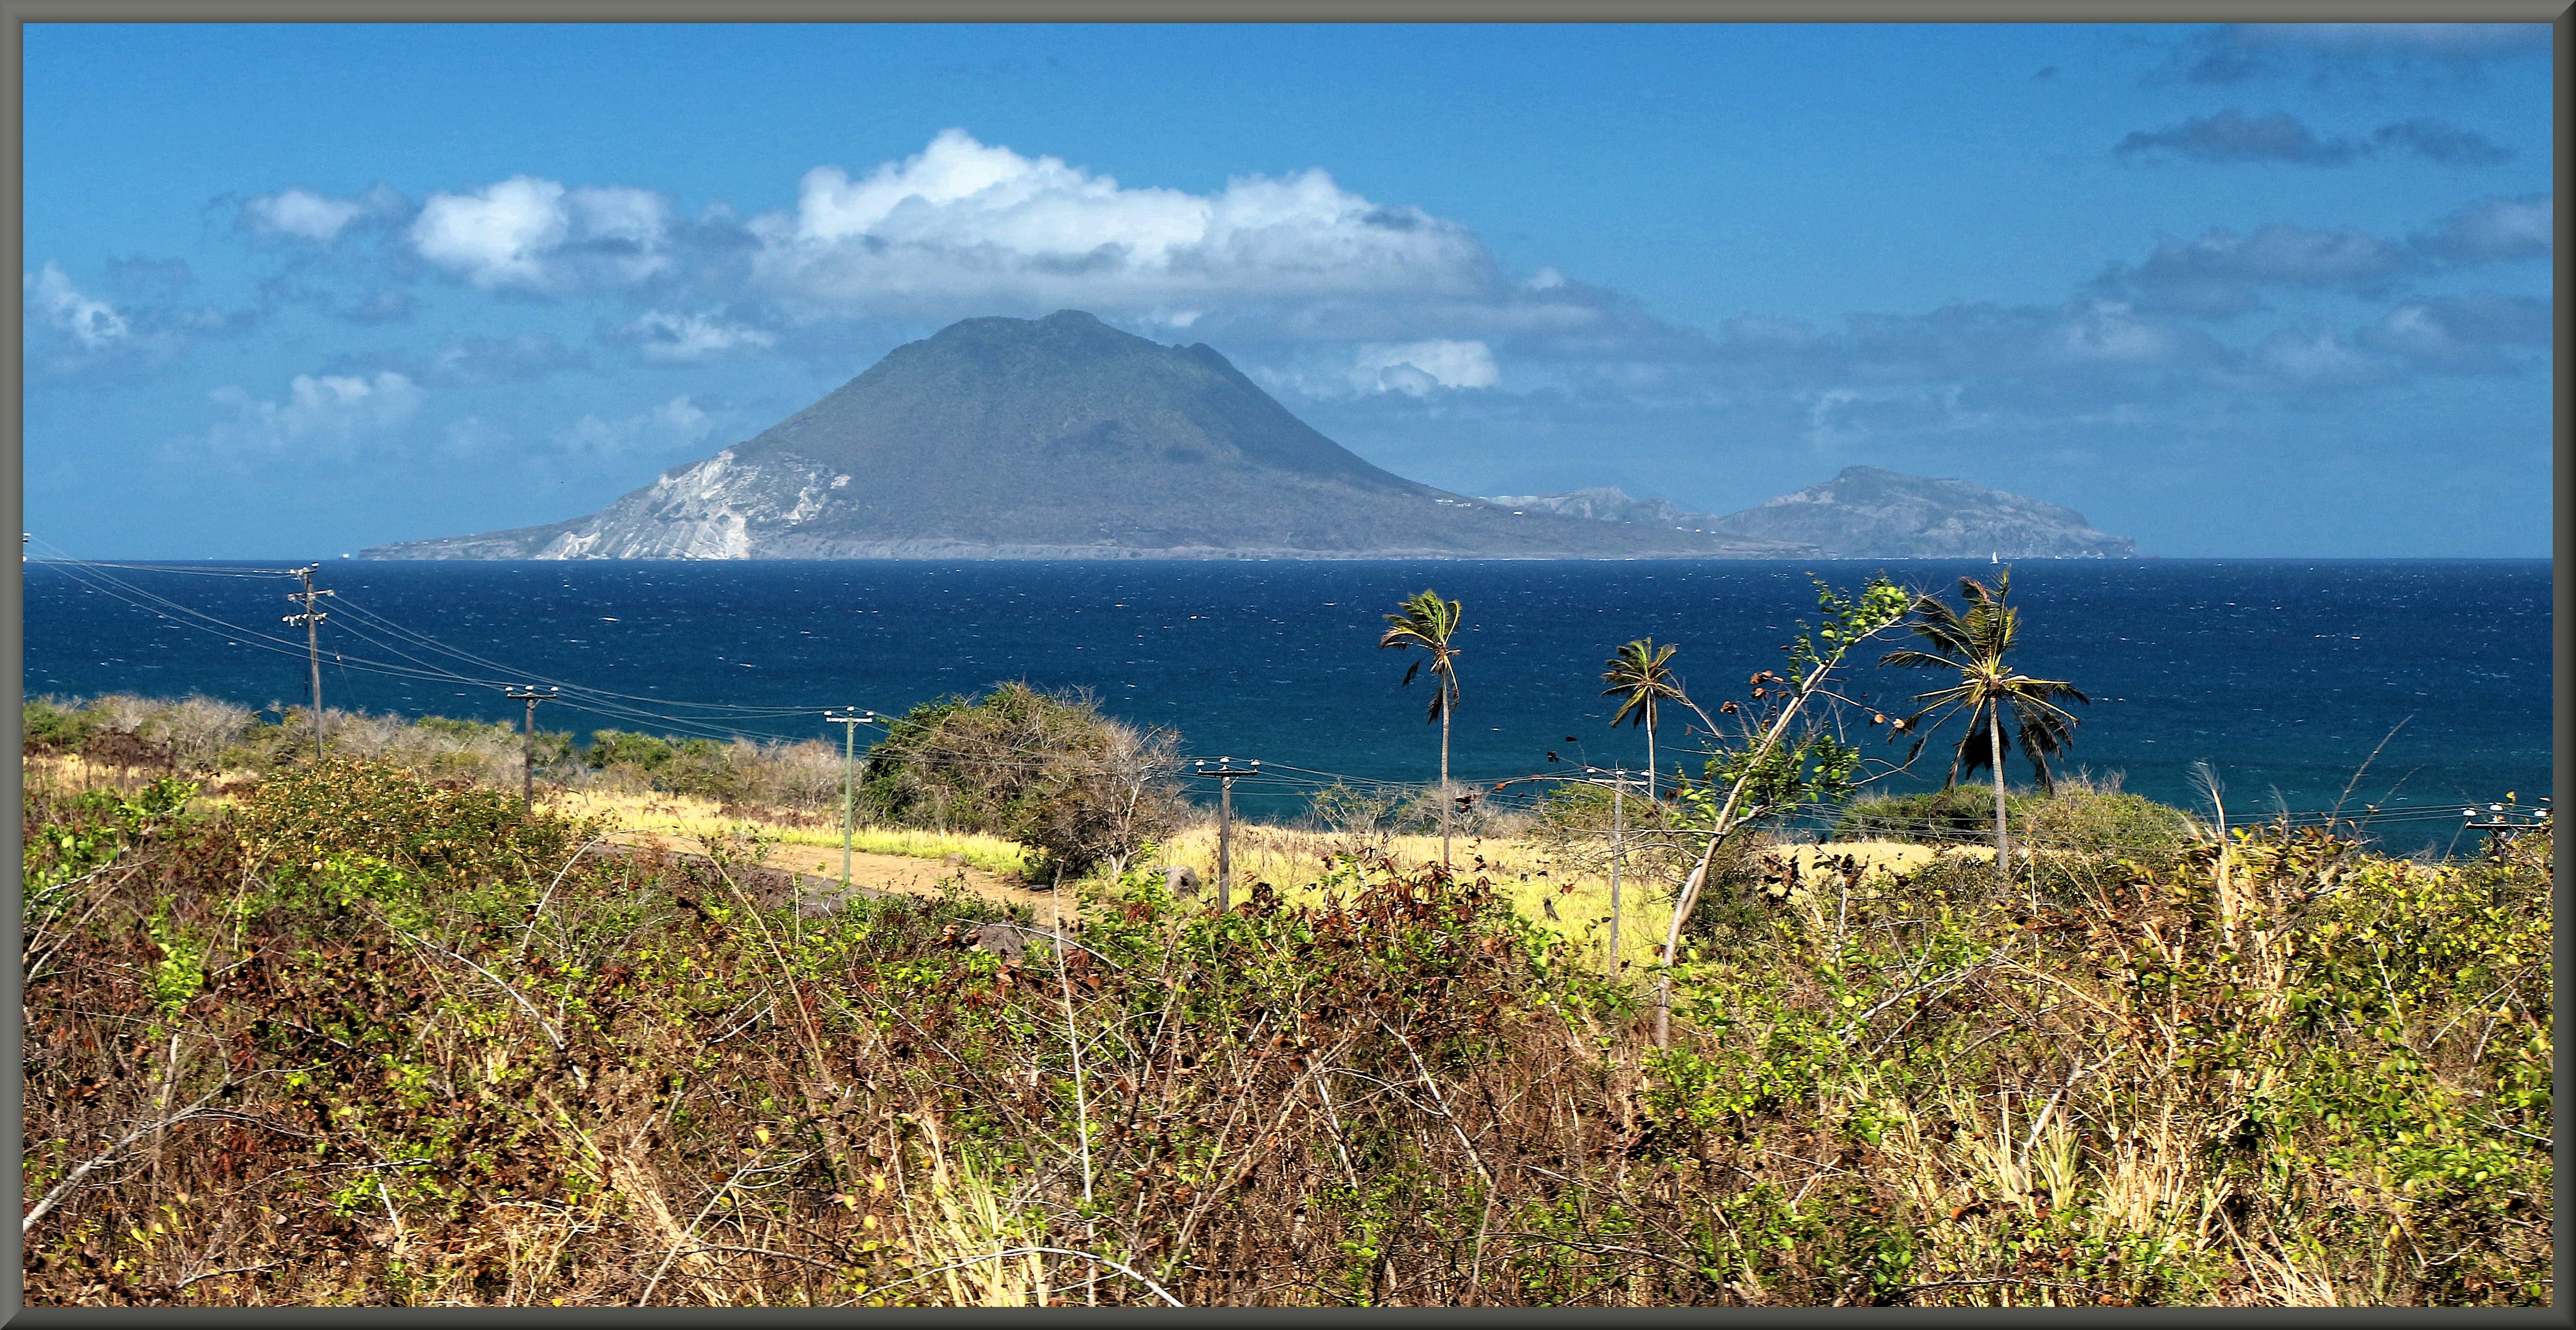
2482, 333
72, 333
91, 323
535, 235
320, 413
664, 336
673, 423
473, 436
1416, 368
303, 214
2493, 230
964, 220
2109, 332
2315, 358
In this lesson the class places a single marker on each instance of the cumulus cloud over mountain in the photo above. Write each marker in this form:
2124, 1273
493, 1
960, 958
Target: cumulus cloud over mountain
962, 218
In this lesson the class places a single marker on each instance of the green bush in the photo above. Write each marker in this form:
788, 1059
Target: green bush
1044, 769
52, 725
1938, 817
2113, 824
701, 767
612, 748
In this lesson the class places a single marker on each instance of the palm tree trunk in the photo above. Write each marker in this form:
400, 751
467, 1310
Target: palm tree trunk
1444, 785
2003, 840
1650, 761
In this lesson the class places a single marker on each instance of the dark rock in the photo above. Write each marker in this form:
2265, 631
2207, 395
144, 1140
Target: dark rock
1011, 941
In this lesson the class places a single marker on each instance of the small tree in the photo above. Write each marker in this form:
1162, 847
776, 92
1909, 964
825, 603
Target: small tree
1428, 622
1784, 757
1974, 645
1045, 769
1640, 676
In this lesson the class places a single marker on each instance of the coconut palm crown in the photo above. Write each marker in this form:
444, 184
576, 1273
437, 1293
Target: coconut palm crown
1426, 621
1974, 645
1640, 676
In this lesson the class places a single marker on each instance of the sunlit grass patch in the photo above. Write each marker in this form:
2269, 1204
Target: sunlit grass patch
691, 818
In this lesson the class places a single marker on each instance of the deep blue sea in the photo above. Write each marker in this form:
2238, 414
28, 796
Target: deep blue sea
2284, 674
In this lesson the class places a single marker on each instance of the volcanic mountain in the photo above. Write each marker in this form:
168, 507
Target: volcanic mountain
1058, 437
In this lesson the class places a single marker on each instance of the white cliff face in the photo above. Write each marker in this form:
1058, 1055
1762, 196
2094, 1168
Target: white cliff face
720, 508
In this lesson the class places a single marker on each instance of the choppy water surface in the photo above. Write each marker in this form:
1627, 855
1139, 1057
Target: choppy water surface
2285, 674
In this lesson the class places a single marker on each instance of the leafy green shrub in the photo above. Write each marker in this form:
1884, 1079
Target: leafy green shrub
696, 766
52, 725
2085, 822
304, 818
1045, 769
1937, 817
614, 748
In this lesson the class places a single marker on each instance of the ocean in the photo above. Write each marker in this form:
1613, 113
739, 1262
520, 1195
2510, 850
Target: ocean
2285, 675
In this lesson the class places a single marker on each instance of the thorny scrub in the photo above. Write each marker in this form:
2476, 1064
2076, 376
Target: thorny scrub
325, 1047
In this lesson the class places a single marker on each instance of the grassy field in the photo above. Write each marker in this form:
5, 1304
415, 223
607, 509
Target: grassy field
688, 818
1567, 901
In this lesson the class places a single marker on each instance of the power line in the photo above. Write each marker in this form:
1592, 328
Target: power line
709, 720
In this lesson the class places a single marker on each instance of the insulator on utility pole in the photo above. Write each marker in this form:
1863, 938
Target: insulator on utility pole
528, 770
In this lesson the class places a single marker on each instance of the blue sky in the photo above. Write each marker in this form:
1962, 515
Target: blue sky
2233, 291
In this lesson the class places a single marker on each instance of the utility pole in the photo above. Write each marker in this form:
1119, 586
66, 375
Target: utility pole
851, 719
528, 770
2500, 826
1618, 784
1618, 849
312, 619
1225, 771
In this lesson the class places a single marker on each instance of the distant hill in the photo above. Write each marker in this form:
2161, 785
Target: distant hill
1604, 505
1058, 437
1867, 513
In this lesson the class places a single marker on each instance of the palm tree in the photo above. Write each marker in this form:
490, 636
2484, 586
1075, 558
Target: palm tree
1428, 622
1975, 646
1638, 673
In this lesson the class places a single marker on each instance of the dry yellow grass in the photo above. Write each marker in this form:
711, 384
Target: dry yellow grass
1291, 859
684, 818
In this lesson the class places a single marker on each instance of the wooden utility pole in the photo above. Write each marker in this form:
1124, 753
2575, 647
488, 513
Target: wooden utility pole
312, 619
1618, 784
1225, 771
528, 768
2500, 826
1618, 849
851, 719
